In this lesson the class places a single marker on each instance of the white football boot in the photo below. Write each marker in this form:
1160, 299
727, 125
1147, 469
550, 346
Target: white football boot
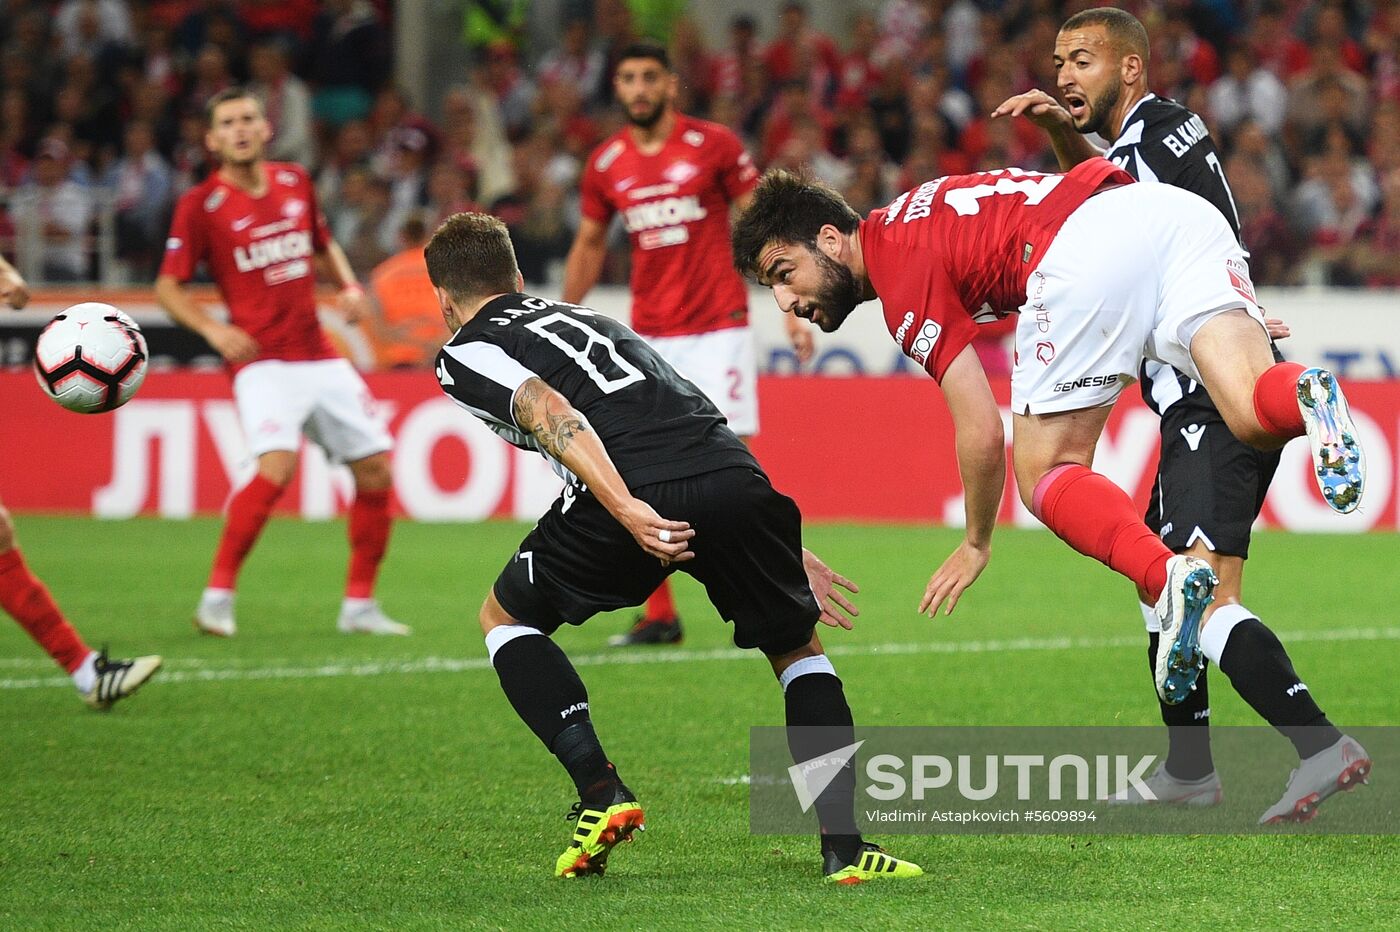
1168, 789
215, 614
1190, 588
117, 679
363, 616
1343, 766
1338, 460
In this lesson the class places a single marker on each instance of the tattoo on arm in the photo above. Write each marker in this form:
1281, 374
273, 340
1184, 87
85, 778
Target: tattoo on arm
548, 416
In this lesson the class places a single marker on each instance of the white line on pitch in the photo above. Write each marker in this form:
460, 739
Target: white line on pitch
200, 672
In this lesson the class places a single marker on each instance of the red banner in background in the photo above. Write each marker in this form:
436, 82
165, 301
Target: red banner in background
877, 449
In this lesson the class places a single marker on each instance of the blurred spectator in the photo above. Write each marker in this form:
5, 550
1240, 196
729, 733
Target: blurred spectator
731, 63
87, 26
1274, 46
859, 75
209, 74
475, 141
407, 175
1273, 246
357, 219
449, 192
407, 330
352, 149
514, 92
142, 188
285, 99
57, 211
795, 104
802, 53
573, 62
15, 136
1374, 256
346, 59
1246, 92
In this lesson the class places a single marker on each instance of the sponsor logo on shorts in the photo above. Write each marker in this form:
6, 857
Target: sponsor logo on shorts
1239, 279
1045, 352
1086, 381
1192, 434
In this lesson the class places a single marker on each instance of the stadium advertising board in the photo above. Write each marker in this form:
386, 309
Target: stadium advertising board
875, 449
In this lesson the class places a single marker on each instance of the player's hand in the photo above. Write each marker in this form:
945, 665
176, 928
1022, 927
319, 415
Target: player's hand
13, 290
232, 343
354, 303
668, 541
1278, 330
957, 573
800, 336
824, 580
1038, 107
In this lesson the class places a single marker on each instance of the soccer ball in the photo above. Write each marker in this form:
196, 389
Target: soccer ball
91, 358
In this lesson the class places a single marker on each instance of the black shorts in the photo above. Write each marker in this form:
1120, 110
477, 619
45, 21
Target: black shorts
578, 561
1210, 486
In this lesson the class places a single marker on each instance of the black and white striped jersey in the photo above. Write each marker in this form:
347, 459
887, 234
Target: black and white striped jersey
1165, 142
655, 425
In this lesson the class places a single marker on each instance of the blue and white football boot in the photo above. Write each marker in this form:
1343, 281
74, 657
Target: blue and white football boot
1337, 455
1190, 588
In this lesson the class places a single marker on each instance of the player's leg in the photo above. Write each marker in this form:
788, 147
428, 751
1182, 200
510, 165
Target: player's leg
368, 525
1052, 460
576, 562
344, 423
271, 408
750, 563
99, 680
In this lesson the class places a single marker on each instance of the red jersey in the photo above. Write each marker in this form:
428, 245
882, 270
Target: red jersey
942, 254
676, 208
259, 251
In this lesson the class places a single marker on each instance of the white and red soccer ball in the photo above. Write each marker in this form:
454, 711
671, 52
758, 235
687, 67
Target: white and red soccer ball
91, 358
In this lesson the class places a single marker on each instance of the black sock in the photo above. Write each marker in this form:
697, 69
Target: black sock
547, 694
817, 699
1188, 725
1259, 669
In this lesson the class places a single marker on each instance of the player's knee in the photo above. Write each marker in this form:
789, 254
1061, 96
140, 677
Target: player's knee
278, 467
373, 473
492, 615
7, 531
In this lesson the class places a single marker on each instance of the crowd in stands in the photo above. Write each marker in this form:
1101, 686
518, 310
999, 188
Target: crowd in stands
101, 101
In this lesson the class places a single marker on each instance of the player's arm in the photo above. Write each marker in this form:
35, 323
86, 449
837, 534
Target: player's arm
1044, 111
352, 300
981, 448
14, 291
565, 434
230, 342
584, 264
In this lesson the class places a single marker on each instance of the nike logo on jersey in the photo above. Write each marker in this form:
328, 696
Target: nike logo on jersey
1192, 434
241, 224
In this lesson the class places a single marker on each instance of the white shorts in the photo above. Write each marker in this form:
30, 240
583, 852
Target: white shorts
723, 365
1133, 274
325, 399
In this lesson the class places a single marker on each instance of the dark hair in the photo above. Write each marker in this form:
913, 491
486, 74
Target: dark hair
1124, 29
645, 49
236, 92
787, 208
471, 256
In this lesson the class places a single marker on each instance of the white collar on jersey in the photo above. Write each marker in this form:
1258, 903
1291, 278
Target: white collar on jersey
1131, 135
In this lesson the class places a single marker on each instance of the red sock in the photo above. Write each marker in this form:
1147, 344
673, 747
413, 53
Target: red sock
369, 537
1276, 400
25, 598
1099, 520
660, 606
248, 511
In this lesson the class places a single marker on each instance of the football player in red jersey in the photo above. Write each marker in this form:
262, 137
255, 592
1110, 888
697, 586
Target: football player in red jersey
99, 680
1097, 290
674, 179
257, 227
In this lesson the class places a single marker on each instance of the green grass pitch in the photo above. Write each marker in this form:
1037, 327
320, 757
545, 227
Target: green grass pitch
297, 778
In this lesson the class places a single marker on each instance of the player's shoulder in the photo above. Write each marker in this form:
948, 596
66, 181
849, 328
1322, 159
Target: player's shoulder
287, 174
607, 152
700, 134
205, 197
1158, 117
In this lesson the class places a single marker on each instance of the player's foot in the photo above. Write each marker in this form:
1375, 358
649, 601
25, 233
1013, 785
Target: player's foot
1190, 588
215, 614
363, 616
872, 863
117, 679
1166, 788
1339, 461
646, 631
1343, 766
598, 828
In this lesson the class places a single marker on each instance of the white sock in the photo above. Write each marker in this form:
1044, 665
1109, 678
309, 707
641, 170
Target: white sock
501, 635
1216, 633
350, 605
817, 664
1149, 618
85, 677
217, 595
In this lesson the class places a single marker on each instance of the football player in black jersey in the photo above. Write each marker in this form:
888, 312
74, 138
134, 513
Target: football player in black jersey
1210, 486
656, 481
